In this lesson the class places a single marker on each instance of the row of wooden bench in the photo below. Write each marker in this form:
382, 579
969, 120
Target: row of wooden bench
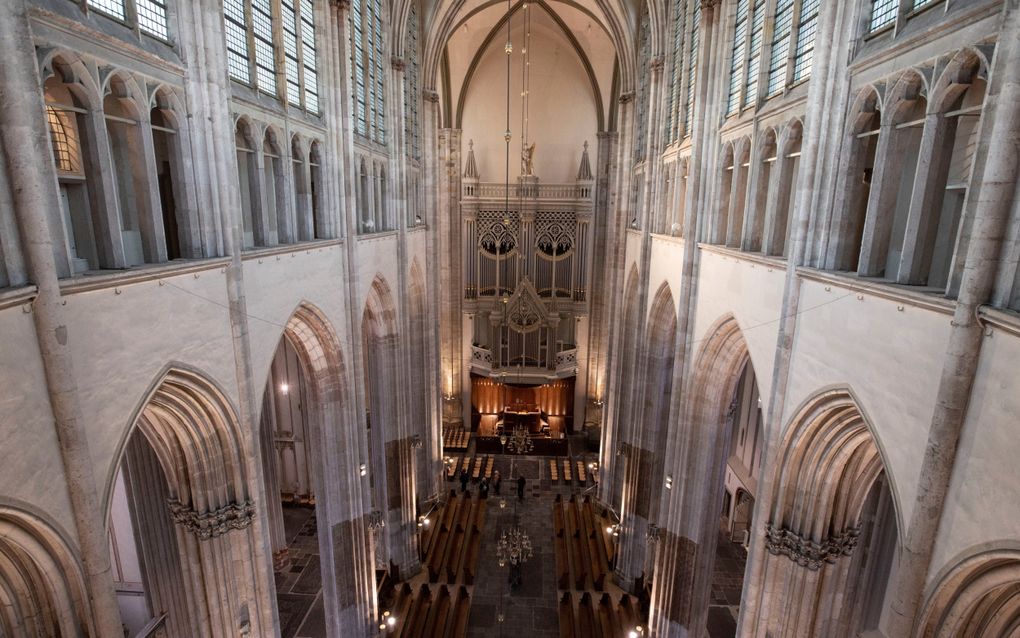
477, 467
582, 617
584, 550
430, 614
567, 471
454, 539
456, 438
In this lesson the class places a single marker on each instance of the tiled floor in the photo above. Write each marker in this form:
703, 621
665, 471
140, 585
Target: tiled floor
299, 587
727, 585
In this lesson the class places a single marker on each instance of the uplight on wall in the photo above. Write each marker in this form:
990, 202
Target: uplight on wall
363, 469
669, 481
284, 388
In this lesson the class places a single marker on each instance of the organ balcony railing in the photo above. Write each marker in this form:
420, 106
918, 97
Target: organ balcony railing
483, 363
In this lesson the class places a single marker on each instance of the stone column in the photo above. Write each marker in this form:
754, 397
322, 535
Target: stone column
823, 120
994, 191
926, 199
676, 554
103, 190
150, 213
878, 223
32, 177
208, 92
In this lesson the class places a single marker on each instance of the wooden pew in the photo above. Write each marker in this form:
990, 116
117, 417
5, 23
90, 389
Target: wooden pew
554, 472
567, 620
437, 613
461, 609
586, 617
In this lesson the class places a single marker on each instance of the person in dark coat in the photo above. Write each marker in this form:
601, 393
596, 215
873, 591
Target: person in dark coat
496, 481
520, 488
483, 488
463, 480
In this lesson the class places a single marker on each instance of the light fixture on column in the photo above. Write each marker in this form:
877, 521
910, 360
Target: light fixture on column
376, 521
284, 388
669, 481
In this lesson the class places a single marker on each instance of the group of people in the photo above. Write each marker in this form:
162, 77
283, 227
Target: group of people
484, 485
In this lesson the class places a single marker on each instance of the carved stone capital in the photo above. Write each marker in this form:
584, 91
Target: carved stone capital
207, 525
807, 553
709, 4
431, 96
656, 63
340, 5
398, 63
626, 97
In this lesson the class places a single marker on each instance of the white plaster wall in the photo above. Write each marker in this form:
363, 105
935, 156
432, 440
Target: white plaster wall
667, 259
753, 294
377, 255
31, 472
890, 359
562, 107
275, 287
984, 496
126, 341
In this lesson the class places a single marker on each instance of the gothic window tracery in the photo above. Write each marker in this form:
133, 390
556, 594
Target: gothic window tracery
150, 14
554, 234
412, 124
367, 67
497, 233
644, 54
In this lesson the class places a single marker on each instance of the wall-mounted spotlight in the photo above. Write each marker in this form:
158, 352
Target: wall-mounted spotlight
284, 388
669, 481
363, 469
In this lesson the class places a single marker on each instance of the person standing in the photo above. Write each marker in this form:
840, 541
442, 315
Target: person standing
483, 488
496, 480
463, 480
520, 488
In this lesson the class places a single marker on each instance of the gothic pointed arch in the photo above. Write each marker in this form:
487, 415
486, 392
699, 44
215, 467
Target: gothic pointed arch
979, 596
42, 587
338, 450
192, 501
831, 524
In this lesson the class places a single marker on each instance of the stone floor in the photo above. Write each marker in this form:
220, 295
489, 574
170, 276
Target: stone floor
727, 585
299, 587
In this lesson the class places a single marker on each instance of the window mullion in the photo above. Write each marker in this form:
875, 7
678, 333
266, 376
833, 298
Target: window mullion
791, 51
249, 30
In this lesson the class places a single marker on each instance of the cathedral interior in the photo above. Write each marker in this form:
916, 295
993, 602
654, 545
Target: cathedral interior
472, 318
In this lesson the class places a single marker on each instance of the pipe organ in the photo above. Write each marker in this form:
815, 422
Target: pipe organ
526, 271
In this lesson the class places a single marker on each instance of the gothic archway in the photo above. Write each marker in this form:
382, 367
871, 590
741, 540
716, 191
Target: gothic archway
42, 588
831, 527
979, 597
182, 499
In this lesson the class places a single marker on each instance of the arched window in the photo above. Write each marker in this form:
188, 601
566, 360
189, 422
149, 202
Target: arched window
717, 233
124, 137
248, 182
412, 125
170, 178
367, 65
765, 157
315, 191
275, 191
783, 201
641, 104
854, 189
896, 163
365, 197
676, 115
382, 208
302, 194
80, 198
692, 68
735, 219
